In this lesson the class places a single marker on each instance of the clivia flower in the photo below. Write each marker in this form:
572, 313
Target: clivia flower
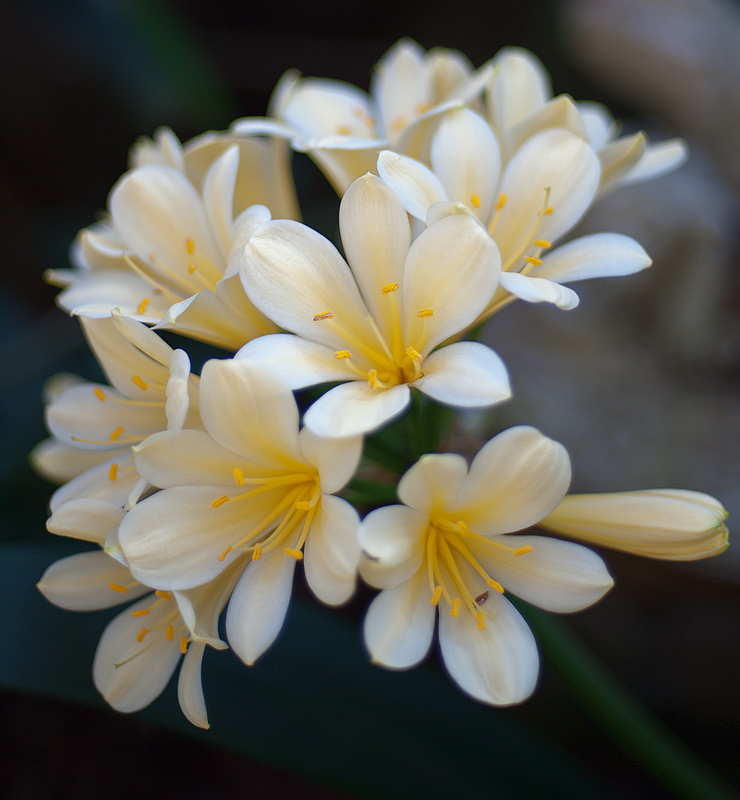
452, 551
250, 483
375, 322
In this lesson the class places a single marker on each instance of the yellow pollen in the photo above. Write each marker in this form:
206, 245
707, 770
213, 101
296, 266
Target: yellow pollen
475, 200
303, 505
340, 355
190, 245
118, 588
520, 551
370, 122
343, 130
169, 633
238, 476
297, 554
547, 211
543, 243
501, 202
116, 433
434, 599
139, 382
225, 553
413, 354
424, 312
191, 269
183, 645
388, 288
142, 612
141, 634
219, 501
257, 554
113, 472
163, 595
323, 315
455, 608
496, 585
422, 108
142, 305
479, 618
358, 111
398, 124
99, 393
533, 261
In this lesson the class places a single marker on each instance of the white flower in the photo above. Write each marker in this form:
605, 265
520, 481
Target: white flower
526, 204
671, 524
139, 649
177, 221
343, 128
450, 549
152, 390
375, 322
252, 483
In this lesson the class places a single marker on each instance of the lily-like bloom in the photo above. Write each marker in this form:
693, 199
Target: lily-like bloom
168, 255
525, 203
670, 524
342, 127
376, 321
152, 390
250, 483
139, 649
451, 550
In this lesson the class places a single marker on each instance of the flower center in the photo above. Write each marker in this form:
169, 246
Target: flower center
445, 553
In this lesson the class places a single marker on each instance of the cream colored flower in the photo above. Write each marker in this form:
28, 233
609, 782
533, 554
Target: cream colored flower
451, 550
342, 127
375, 322
251, 483
94, 425
671, 524
177, 221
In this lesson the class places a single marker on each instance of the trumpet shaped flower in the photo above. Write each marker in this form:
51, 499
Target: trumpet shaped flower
250, 483
374, 322
452, 551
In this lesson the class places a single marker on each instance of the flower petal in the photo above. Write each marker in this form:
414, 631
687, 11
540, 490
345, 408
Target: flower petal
415, 184
392, 542
497, 665
539, 290
86, 519
433, 482
112, 480
519, 86
190, 686
657, 160
335, 458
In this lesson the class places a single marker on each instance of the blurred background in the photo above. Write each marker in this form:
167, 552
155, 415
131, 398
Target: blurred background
641, 383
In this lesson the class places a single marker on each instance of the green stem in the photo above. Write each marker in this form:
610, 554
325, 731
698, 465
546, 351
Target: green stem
647, 740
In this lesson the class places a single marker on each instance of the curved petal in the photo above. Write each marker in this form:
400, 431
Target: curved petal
558, 113
259, 604
299, 362
516, 479
86, 519
398, 85
59, 462
599, 123
619, 157
658, 159
497, 665
392, 543
554, 575
190, 686
519, 86
82, 582
218, 199
112, 480
596, 256
335, 458
466, 374
332, 551
415, 184
98, 294
433, 482
355, 408
244, 226
399, 624
539, 290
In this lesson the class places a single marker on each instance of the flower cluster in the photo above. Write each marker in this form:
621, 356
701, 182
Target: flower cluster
203, 493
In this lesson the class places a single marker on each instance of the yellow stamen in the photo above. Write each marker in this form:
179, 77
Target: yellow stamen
434, 600
548, 210
142, 612
257, 554
113, 472
238, 476
219, 501
323, 315
99, 393
183, 645
481, 624
169, 633
413, 354
142, 305
422, 108
225, 553
543, 243
191, 269
475, 200
388, 288
520, 551
340, 355
398, 124
535, 262
141, 634
496, 585
190, 245
116, 433
343, 130
297, 554
425, 312
139, 382
455, 608
163, 595
118, 588
501, 202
